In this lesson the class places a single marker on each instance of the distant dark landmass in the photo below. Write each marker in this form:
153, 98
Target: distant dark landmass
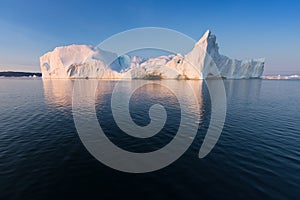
20, 74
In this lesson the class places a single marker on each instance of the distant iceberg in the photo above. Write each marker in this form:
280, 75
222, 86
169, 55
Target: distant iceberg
83, 61
281, 77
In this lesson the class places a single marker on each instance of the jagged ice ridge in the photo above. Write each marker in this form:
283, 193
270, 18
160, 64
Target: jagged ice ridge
83, 61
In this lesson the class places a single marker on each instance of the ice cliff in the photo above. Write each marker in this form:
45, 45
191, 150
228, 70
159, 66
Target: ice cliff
83, 61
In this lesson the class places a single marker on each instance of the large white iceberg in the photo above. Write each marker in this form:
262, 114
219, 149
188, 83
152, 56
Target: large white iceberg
203, 61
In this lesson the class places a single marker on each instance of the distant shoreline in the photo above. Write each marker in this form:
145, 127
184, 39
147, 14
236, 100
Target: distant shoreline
20, 74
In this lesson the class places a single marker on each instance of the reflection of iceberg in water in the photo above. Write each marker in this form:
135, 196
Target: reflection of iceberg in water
245, 89
150, 89
58, 93
138, 96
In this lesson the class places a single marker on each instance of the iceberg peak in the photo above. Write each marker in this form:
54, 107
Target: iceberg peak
204, 38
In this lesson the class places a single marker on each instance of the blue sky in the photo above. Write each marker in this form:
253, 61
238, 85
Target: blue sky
244, 29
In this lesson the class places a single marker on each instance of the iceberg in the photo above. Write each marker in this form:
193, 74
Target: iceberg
281, 77
203, 61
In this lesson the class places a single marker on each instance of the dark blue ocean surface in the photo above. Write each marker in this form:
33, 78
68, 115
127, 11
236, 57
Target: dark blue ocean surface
257, 155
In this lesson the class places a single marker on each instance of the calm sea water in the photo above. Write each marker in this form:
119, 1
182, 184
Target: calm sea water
257, 155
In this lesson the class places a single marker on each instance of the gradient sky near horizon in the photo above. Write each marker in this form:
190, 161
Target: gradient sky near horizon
244, 29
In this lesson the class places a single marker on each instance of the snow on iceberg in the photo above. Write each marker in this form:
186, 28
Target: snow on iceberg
83, 61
